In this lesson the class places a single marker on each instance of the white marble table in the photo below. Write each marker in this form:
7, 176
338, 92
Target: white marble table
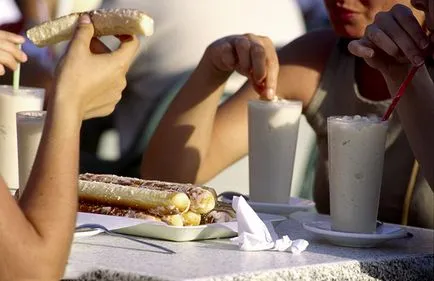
107, 258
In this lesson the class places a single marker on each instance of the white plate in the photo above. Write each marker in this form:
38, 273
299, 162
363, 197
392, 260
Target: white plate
163, 231
294, 205
82, 233
383, 233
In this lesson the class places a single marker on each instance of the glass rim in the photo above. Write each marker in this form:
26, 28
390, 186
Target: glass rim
23, 88
362, 120
31, 114
280, 102
31, 91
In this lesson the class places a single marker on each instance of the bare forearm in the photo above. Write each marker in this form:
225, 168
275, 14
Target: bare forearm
196, 138
36, 11
416, 112
36, 238
50, 198
181, 141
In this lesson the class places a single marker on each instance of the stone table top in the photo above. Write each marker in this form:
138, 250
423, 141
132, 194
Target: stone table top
103, 257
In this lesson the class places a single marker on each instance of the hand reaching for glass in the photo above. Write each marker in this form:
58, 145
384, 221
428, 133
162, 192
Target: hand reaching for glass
250, 55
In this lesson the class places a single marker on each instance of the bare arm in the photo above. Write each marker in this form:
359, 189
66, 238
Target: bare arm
36, 11
196, 138
190, 123
47, 217
416, 112
392, 44
36, 234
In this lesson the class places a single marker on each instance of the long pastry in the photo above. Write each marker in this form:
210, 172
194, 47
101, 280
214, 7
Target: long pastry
202, 200
106, 22
157, 202
115, 211
87, 207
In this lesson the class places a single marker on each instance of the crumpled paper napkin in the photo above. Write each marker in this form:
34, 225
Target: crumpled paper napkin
253, 234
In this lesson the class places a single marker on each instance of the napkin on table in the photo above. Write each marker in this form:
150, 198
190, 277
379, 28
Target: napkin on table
253, 234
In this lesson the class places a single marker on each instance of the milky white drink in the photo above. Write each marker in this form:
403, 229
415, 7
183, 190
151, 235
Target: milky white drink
356, 153
12, 101
273, 130
30, 125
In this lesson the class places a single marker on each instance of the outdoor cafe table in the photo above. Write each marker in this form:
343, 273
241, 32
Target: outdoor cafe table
103, 257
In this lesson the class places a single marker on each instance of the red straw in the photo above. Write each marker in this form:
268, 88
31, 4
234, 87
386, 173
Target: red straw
401, 91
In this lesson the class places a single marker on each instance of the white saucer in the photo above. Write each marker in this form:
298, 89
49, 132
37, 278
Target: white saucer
294, 205
383, 233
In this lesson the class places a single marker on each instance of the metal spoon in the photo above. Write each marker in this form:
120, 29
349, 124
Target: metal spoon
228, 195
408, 235
109, 232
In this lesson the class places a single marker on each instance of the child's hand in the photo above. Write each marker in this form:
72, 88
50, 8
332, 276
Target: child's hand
10, 53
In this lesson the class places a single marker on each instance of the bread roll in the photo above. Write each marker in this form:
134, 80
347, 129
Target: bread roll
174, 220
106, 22
223, 212
191, 218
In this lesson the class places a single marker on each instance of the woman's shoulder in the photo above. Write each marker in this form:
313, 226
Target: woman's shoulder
303, 61
309, 47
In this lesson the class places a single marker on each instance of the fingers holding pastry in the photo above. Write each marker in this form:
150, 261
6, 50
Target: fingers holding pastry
105, 22
90, 77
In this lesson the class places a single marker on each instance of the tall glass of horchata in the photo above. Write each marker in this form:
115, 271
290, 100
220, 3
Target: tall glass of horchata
11, 102
30, 125
356, 153
273, 131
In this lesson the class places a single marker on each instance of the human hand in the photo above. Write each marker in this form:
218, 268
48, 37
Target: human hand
250, 55
90, 78
394, 42
10, 53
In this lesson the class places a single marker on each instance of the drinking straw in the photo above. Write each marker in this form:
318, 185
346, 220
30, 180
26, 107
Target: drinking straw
16, 78
400, 92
